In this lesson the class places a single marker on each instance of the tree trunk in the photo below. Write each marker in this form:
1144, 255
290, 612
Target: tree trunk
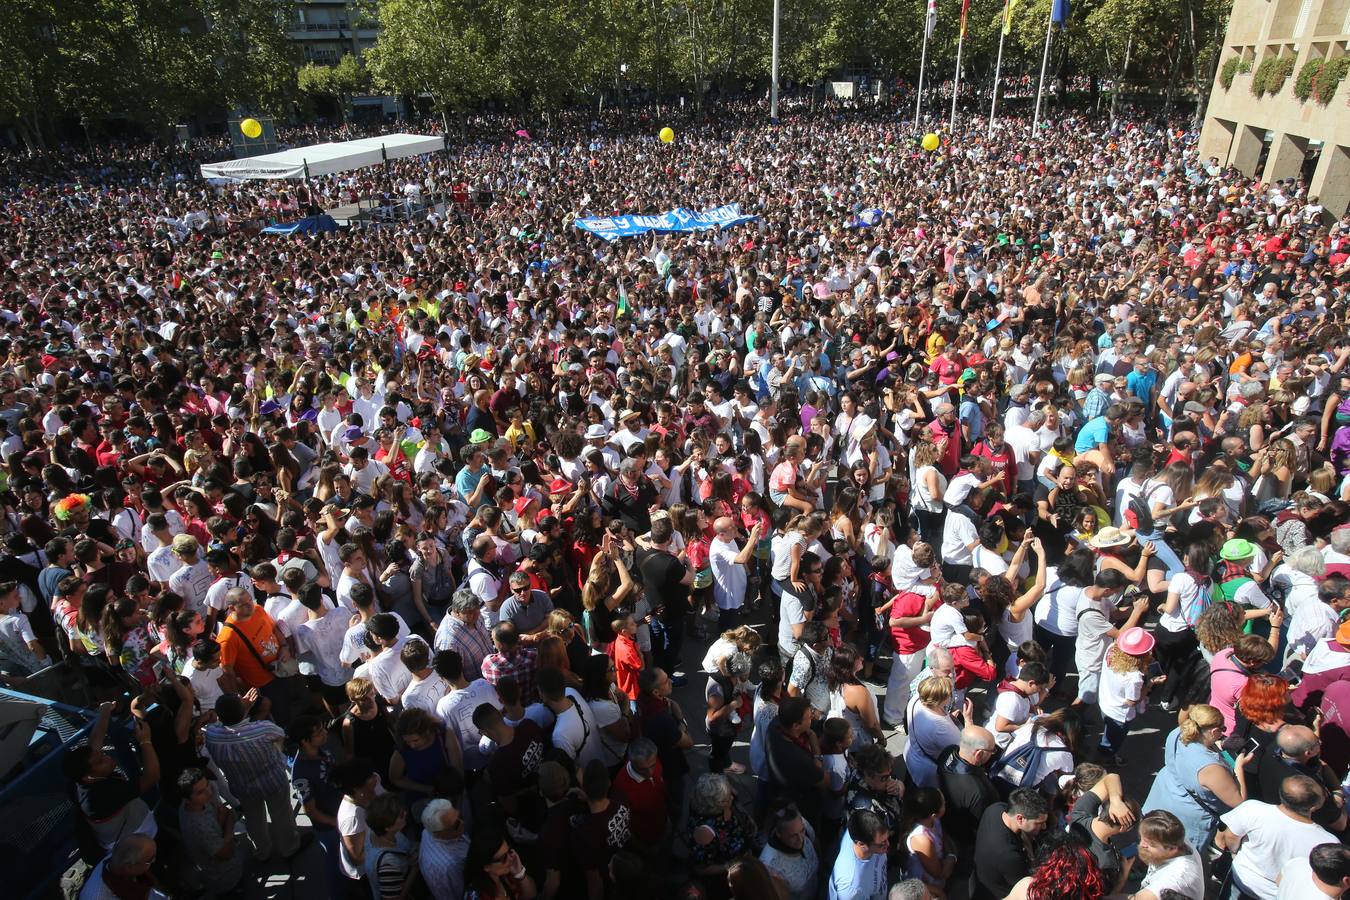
1173, 59
1120, 79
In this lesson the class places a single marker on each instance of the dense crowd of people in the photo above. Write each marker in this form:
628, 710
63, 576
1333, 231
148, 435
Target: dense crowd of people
449, 532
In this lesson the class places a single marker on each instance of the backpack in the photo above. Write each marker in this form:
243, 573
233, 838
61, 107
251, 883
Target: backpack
1143, 513
1025, 759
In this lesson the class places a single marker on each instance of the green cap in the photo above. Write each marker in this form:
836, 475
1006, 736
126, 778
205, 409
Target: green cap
1236, 549
479, 436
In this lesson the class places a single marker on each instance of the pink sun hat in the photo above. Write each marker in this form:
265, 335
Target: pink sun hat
1135, 641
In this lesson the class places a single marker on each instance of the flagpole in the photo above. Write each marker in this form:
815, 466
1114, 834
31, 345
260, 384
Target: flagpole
923, 58
1045, 59
993, 104
956, 82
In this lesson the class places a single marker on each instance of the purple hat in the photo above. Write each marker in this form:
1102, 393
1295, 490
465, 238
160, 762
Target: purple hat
309, 415
269, 407
353, 433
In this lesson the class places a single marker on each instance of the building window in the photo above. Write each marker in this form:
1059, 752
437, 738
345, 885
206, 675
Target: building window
1304, 11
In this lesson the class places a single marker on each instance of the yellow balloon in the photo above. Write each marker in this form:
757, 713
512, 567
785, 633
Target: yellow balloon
931, 142
667, 135
251, 128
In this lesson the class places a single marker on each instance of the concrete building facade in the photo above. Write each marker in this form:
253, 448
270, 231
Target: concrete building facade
1279, 136
328, 30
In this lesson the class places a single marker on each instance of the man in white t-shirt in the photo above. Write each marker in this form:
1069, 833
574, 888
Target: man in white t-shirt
1026, 447
385, 669
359, 785
1172, 863
1017, 697
728, 561
576, 731
959, 539
193, 578
1326, 872
1273, 835
456, 708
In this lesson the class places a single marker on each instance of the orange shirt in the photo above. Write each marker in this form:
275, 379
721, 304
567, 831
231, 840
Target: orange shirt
261, 631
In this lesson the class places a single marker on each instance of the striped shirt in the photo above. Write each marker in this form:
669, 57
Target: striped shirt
250, 756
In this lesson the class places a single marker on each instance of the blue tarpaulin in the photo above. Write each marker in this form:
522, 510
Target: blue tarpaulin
613, 227
308, 225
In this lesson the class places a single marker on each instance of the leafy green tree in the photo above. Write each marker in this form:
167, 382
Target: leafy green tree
339, 81
440, 48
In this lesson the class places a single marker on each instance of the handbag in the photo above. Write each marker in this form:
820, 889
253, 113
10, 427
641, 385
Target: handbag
282, 668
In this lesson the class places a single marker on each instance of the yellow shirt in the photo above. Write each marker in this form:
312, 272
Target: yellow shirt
934, 346
515, 435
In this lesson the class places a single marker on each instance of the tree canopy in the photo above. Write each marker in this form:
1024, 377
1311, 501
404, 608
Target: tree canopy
155, 62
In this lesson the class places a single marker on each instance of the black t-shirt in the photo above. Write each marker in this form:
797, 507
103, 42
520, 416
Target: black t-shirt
969, 793
480, 418
662, 580
555, 852
662, 729
1085, 810
1001, 859
1274, 768
1052, 536
793, 770
596, 837
515, 766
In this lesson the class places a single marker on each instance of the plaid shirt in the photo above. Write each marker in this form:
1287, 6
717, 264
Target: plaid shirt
520, 664
1095, 404
473, 644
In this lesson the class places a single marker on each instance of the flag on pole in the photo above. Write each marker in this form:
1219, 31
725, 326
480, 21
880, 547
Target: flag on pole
1059, 13
931, 21
965, 8
1007, 15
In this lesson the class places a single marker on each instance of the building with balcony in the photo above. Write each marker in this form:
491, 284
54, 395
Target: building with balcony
327, 30
1277, 135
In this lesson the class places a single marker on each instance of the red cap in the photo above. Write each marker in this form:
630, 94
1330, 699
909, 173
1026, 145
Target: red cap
560, 486
521, 504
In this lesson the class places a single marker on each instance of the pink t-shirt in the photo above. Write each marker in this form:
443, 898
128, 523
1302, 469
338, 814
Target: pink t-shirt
784, 476
1226, 681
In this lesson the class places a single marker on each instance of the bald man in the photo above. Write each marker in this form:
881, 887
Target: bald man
728, 560
1298, 751
963, 778
1272, 835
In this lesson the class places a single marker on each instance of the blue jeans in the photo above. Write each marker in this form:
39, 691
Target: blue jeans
331, 843
1166, 555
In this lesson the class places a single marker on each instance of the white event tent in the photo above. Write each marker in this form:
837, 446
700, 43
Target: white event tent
324, 159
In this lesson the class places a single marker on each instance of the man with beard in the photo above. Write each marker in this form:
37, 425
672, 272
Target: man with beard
1172, 863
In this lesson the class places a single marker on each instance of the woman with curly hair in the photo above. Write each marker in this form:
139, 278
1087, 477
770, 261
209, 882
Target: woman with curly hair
1067, 871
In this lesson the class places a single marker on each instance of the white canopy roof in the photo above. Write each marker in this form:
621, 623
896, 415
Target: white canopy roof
324, 159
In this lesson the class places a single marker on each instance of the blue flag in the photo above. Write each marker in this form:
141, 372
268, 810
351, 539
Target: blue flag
1059, 13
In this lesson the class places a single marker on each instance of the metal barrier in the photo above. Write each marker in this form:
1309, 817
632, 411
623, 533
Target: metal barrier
37, 815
